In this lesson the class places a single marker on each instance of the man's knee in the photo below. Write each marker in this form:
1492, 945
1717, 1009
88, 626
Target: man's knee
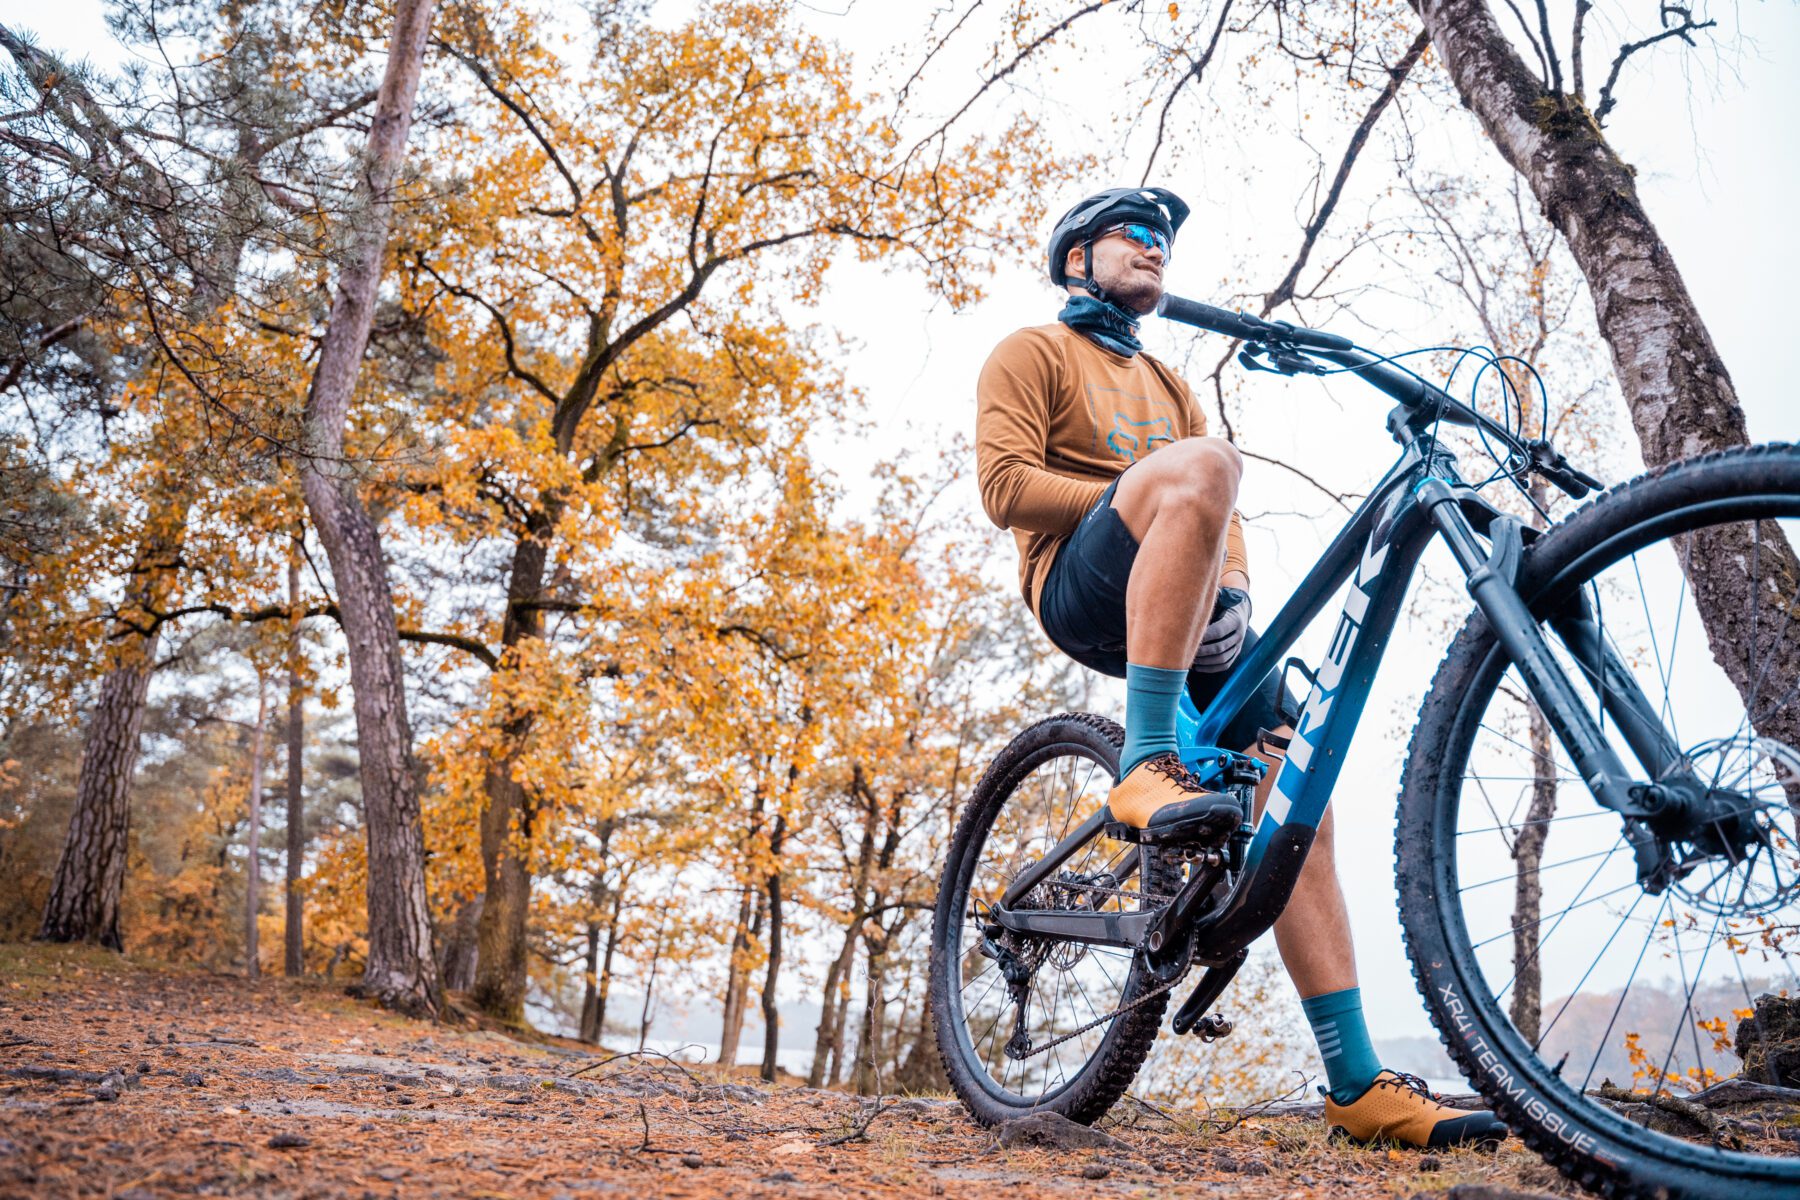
1205, 464
1196, 477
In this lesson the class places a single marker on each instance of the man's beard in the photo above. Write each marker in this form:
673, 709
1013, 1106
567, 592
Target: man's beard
1134, 291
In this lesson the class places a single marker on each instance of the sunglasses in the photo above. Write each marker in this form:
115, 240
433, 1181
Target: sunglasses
1146, 236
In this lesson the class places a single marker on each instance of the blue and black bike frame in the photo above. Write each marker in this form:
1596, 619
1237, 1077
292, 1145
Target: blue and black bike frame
1420, 498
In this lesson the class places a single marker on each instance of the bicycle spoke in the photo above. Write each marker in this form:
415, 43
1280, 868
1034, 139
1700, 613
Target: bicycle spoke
1587, 816
1567, 862
1533, 925
1600, 1046
1576, 990
1545, 940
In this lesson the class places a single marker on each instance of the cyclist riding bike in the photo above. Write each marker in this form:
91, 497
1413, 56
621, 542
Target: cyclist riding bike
1096, 456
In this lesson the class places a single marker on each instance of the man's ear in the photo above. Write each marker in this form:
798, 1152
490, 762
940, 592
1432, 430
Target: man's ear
1075, 263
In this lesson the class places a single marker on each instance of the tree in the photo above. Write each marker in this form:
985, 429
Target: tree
1507, 266
401, 971
293, 950
84, 899
1676, 386
169, 189
640, 360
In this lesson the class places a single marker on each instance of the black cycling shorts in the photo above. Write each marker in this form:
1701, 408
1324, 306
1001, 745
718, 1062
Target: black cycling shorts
1082, 608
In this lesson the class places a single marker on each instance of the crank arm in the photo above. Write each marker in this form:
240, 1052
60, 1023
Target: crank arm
1207, 992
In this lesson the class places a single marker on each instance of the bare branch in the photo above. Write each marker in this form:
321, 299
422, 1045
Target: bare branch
1284, 291
1684, 31
486, 78
500, 322
1341, 499
1193, 73
1536, 46
257, 149
281, 612
52, 336
1017, 60
1582, 7
1556, 84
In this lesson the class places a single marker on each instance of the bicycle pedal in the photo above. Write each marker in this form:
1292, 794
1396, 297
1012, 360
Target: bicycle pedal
1119, 831
1212, 1027
1202, 836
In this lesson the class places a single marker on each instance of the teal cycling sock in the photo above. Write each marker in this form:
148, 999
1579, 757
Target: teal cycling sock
1343, 1037
1152, 695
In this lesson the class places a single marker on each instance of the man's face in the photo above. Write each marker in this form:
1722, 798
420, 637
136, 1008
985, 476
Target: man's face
1130, 273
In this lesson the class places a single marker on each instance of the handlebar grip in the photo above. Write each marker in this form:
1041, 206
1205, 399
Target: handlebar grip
1218, 320
1568, 479
1587, 480
1249, 328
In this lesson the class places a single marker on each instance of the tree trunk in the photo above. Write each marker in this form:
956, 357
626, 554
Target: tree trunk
458, 957
771, 1013
1528, 890
1680, 396
507, 824
400, 971
836, 980
509, 818
253, 838
294, 932
830, 1038
589, 1029
839, 1027
650, 984
90, 874
606, 962
737, 974
867, 1078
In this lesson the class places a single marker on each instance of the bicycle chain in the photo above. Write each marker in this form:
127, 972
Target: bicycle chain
1122, 893
1142, 1000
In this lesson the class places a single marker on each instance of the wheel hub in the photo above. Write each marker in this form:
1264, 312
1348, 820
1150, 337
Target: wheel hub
1728, 852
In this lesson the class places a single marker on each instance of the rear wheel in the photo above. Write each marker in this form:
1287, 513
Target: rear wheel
1590, 1009
1042, 1040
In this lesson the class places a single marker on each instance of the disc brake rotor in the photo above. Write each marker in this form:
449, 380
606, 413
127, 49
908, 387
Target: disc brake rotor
1757, 871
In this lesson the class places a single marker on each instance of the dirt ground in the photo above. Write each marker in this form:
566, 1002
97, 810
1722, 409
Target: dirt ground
129, 1081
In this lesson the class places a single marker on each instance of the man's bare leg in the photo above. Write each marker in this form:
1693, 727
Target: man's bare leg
1177, 504
1313, 932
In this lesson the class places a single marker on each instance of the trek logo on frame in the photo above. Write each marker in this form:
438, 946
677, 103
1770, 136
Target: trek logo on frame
1326, 683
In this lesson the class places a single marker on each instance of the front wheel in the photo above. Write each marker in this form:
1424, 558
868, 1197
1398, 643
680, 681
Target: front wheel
1025, 1024
1588, 1006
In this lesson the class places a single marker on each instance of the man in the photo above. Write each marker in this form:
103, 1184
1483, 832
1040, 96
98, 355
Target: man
1132, 557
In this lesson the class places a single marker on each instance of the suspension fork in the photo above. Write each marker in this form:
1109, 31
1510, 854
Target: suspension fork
1491, 576
1620, 696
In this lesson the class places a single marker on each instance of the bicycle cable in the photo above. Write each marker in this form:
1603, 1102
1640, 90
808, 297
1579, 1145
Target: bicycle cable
1120, 1011
1511, 464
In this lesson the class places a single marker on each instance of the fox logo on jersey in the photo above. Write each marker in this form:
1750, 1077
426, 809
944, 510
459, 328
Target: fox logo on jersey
1125, 439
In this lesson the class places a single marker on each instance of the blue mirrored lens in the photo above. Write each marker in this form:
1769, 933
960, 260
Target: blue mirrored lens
1146, 237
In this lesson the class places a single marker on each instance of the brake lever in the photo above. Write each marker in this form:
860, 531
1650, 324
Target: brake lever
1283, 360
1549, 462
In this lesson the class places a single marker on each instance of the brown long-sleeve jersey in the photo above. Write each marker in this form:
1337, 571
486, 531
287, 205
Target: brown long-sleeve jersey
1057, 419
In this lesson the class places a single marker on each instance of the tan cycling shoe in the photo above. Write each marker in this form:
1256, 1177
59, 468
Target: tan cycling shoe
1163, 801
1398, 1107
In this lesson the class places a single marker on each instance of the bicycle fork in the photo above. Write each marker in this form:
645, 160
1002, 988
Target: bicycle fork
1491, 578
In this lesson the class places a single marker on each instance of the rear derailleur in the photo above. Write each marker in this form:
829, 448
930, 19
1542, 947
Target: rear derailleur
1018, 959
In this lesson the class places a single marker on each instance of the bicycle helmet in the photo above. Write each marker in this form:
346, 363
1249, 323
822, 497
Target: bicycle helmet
1156, 207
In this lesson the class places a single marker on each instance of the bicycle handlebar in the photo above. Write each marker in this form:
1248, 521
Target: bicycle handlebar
1248, 328
1425, 402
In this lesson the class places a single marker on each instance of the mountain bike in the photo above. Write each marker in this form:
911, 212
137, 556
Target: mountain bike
1597, 860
